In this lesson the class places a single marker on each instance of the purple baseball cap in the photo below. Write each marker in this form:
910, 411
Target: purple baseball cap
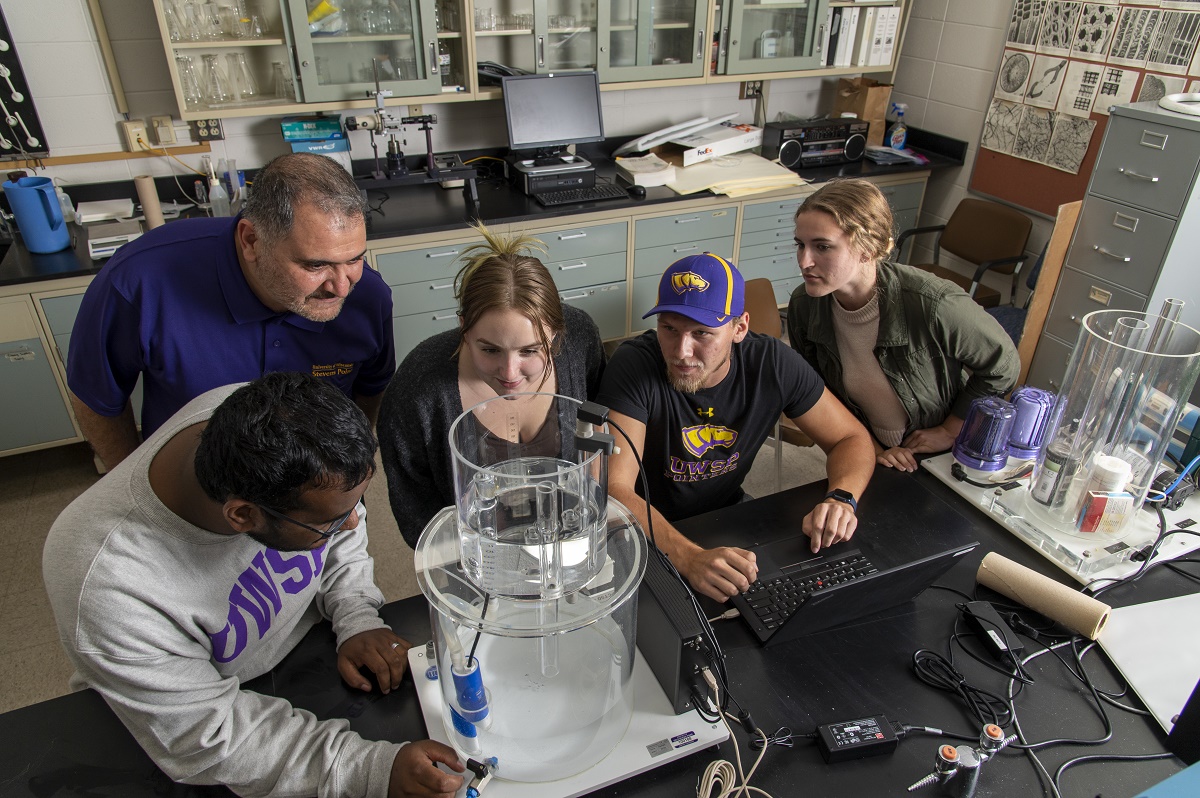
706, 288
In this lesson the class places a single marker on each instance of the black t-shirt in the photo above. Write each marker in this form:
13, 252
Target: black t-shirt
699, 447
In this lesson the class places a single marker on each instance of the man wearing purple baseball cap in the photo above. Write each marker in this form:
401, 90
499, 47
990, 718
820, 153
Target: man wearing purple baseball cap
698, 396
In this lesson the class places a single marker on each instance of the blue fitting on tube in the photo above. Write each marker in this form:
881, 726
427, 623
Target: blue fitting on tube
468, 689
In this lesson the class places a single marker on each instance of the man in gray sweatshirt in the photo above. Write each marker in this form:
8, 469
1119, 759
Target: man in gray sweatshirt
202, 560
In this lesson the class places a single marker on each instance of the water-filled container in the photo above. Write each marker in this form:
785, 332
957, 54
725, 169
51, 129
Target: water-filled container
39, 214
532, 580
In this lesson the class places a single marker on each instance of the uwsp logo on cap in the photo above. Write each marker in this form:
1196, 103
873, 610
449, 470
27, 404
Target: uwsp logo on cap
683, 282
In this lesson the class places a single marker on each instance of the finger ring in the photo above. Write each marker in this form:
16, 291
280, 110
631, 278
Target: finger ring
395, 645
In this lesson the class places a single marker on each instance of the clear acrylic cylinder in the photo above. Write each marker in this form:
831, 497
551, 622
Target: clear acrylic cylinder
532, 580
1124, 391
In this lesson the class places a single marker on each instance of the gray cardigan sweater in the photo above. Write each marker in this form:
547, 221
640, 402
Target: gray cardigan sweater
423, 400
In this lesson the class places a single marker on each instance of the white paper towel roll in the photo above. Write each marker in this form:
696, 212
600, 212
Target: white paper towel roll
1074, 610
148, 196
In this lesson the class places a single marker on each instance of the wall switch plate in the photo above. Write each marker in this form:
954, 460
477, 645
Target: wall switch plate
133, 130
207, 130
164, 129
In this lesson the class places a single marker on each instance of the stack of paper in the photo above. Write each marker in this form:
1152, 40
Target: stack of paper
647, 170
104, 209
752, 174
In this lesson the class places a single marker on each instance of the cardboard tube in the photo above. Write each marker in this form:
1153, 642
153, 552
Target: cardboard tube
1074, 610
148, 196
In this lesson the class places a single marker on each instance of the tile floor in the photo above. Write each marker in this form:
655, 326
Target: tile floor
35, 487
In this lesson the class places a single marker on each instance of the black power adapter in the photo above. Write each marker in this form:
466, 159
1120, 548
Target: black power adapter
856, 739
996, 636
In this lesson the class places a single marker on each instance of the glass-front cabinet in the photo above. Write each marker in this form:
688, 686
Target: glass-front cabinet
536, 35
339, 48
652, 39
765, 37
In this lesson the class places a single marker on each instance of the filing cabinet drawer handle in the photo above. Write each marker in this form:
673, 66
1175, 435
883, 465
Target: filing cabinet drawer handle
581, 265
1130, 173
566, 298
687, 221
433, 287
443, 318
677, 250
575, 235
782, 260
787, 245
18, 356
1075, 319
1112, 255
449, 253
1149, 137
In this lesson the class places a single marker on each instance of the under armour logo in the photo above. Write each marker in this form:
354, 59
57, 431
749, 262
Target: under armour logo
700, 411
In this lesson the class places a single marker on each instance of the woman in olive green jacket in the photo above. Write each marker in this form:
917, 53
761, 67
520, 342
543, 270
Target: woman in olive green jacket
904, 350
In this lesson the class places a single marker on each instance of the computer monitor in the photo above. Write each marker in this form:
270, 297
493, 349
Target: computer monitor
548, 112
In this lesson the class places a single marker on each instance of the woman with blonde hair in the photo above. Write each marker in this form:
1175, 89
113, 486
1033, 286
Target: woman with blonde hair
515, 336
906, 351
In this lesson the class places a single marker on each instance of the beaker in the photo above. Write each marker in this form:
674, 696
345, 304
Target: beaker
189, 83
1125, 388
217, 90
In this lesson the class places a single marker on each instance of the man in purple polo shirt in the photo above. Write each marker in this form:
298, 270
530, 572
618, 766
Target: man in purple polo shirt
201, 303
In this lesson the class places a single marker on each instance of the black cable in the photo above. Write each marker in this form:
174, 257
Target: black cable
486, 598
642, 475
1068, 740
783, 737
952, 590
379, 207
939, 672
1070, 763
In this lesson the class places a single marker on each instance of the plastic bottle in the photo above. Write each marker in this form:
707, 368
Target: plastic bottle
64, 201
445, 64
218, 198
898, 135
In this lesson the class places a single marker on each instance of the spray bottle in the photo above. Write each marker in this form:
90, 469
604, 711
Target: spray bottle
898, 134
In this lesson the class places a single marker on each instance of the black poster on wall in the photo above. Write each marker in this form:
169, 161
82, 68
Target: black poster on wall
21, 134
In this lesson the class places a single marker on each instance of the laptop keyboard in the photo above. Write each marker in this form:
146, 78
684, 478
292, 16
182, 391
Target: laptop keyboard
778, 599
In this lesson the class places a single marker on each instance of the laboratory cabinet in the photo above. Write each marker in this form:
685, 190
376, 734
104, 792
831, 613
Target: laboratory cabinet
32, 401
1138, 233
230, 58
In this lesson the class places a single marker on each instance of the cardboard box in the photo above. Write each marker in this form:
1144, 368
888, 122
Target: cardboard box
867, 99
723, 139
338, 150
312, 128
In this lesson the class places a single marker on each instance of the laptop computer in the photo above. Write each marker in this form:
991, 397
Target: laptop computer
799, 593
909, 539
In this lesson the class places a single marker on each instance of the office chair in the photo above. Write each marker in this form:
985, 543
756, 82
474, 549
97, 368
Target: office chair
765, 319
987, 234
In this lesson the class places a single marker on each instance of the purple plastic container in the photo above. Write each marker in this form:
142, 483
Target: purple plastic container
982, 442
1034, 407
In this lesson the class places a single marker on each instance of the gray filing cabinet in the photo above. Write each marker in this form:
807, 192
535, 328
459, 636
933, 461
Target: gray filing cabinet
1138, 232
662, 240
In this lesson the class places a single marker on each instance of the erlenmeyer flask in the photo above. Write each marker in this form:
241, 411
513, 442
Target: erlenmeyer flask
217, 90
282, 83
241, 79
189, 83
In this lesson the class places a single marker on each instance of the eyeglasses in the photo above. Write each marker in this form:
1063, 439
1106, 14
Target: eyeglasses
333, 529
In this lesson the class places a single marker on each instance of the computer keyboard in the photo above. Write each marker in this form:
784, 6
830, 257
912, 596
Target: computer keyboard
776, 600
573, 195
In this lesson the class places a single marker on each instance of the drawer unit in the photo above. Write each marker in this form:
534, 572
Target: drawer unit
906, 196
785, 232
61, 312
645, 294
778, 208
1121, 244
399, 268
1078, 295
760, 224
772, 250
1049, 365
588, 270
785, 288
655, 260
1147, 164
776, 267
420, 297
904, 220
412, 329
582, 242
604, 303
684, 227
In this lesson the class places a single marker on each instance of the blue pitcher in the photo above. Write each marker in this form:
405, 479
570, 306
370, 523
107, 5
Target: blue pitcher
39, 216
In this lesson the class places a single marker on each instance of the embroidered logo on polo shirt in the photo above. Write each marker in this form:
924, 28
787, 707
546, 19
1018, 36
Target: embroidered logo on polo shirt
702, 437
683, 282
332, 369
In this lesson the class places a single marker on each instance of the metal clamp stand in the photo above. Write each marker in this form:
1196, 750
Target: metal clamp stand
957, 770
437, 170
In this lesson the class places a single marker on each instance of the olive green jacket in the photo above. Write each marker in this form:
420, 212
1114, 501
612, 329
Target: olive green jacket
937, 347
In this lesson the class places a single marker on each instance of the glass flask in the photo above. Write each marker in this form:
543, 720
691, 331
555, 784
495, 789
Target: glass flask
217, 90
241, 79
532, 579
189, 82
281, 82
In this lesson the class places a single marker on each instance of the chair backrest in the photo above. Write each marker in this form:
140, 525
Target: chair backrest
763, 310
979, 230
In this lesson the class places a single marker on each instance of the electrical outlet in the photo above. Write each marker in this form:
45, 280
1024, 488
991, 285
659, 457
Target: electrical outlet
164, 129
133, 130
416, 110
751, 89
207, 130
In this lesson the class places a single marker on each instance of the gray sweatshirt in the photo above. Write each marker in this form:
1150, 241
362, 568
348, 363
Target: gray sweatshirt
165, 620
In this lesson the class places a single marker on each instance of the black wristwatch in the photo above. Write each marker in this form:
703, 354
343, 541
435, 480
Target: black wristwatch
843, 496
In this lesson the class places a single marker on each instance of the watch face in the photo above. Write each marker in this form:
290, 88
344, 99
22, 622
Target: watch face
844, 495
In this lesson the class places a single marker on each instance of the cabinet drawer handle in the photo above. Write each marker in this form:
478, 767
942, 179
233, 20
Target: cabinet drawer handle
566, 298
449, 253
433, 287
1112, 255
581, 265
786, 259
433, 59
687, 221
1075, 319
1154, 140
541, 51
443, 318
700, 44
821, 39
787, 245
1130, 173
17, 357
677, 250
572, 236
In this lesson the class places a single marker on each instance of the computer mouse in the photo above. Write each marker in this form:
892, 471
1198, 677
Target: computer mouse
637, 192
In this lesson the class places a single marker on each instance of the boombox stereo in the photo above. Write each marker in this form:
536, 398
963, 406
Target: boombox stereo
800, 145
